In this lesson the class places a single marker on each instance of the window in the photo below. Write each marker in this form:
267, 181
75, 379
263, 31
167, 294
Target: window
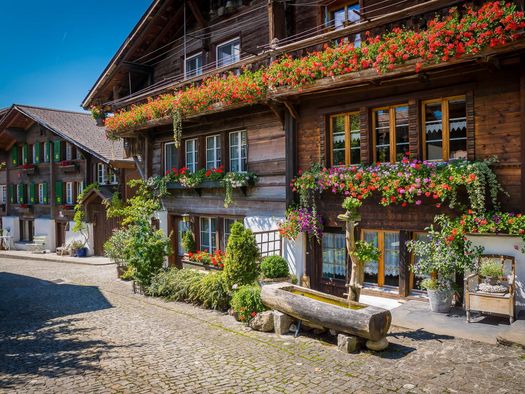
193, 66
101, 173
35, 153
345, 138
386, 270
191, 154
213, 151
41, 194
69, 151
390, 125
343, 14
69, 193
208, 234
182, 228
78, 155
3, 194
170, 156
334, 256
80, 188
27, 230
112, 175
238, 151
445, 133
229, 52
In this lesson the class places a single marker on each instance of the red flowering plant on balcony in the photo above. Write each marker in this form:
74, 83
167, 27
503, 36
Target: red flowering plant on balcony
26, 166
205, 258
460, 33
193, 179
66, 163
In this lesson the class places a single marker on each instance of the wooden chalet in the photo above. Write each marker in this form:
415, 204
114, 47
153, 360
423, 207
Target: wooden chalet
471, 107
51, 156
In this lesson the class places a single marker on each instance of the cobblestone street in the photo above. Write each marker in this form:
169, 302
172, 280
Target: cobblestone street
76, 328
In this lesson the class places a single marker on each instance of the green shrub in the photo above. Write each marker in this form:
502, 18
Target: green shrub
242, 254
188, 242
429, 284
491, 269
114, 247
161, 284
246, 302
212, 292
129, 274
274, 267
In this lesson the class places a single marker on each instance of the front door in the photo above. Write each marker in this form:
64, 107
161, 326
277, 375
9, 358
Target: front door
102, 229
177, 229
60, 234
333, 267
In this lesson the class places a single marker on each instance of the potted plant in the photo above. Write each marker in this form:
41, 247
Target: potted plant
491, 271
78, 248
440, 256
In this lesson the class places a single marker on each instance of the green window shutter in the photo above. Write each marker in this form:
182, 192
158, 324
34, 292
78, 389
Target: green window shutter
46, 200
14, 156
20, 191
25, 154
37, 152
12, 194
47, 152
57, 151
32, 194
59, 185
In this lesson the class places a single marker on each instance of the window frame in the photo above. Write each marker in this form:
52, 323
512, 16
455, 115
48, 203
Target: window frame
348, 137
217, 160
69, 188
41, 197
392, 130
112, 176
342, 5
101, 180
239, 157
210, 233
445, 122
69, 151
3, 194
165, 149
197, 55
80, 188
381, 261
222, 44
195, 154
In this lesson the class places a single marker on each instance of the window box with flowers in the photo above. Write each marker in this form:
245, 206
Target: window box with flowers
28, 169
68, 166
24, 208
202, 260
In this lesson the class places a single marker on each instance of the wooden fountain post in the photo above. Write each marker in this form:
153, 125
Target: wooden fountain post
357, 276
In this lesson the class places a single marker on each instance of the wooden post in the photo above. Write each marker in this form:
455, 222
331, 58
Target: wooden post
290, 127
358, 268
522, 121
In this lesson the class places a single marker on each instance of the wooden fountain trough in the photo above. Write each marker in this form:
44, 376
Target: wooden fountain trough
320, 309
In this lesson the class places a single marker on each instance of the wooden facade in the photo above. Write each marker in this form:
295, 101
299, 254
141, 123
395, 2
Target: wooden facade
48, 167
481, 99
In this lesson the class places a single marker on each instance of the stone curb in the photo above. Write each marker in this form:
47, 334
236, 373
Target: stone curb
54, 260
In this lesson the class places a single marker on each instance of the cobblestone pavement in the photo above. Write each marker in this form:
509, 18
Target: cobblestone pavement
72, 328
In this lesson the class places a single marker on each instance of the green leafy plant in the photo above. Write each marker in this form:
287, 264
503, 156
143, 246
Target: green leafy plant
79, 217
129, 274
351, 204
429, 284
188, 242
366, 252
441, 256
177, 127
491, 269
246, 302
234, 180
115, 247
242, 254
212, 291
274, 267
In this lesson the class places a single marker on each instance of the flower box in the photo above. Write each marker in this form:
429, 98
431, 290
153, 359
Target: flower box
187, 263
24, 208
198, 188
28, 169
68, 166
68, 207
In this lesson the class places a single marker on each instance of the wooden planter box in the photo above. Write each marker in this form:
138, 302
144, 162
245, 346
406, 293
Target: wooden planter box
24, 210
186, 263
28, 171
205, 185
68, 168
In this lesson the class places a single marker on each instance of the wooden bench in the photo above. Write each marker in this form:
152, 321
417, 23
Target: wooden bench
492, 303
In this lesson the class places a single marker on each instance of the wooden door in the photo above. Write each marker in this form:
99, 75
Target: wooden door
177, 227
60, 234
102, 230
332, 265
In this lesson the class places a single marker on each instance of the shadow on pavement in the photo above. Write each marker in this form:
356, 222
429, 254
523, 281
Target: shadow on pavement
38, 336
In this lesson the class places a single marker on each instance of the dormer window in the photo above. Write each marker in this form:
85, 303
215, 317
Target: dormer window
193, 66
229, 52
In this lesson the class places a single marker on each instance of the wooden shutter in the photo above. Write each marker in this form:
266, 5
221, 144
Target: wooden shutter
59, 192
20, 190
11, 189
37, 152
14, 156
57, 150
25, 154
46, 199
47, 152
32, 193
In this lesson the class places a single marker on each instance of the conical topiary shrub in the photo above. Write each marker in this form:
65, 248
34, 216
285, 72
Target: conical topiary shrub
241, 265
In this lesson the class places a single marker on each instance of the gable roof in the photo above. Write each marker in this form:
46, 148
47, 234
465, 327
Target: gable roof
78, 128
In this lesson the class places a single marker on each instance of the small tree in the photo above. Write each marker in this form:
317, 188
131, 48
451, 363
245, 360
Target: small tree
241, 263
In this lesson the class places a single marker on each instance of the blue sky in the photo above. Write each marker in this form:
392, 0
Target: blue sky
53, 51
